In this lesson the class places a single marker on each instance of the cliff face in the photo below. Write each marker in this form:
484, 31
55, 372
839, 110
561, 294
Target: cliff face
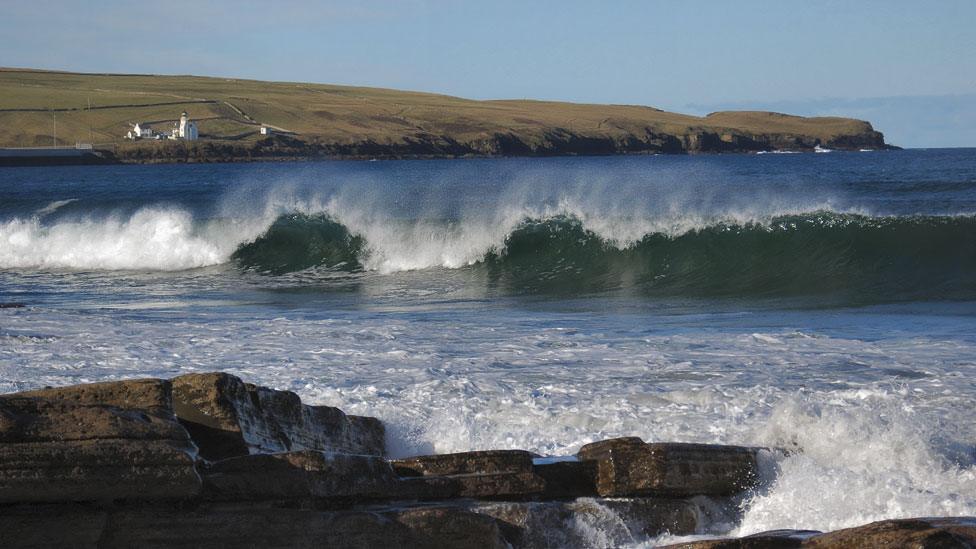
554, 143
317, 120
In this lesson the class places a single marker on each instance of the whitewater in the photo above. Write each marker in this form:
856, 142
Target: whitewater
820, 303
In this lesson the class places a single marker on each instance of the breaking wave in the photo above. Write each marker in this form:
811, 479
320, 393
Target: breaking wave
822, 252
855, 256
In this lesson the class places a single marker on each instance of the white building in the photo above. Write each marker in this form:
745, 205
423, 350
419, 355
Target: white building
265, 130
185, 129
140, 132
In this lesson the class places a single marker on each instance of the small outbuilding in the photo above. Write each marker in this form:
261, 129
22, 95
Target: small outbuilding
140, 131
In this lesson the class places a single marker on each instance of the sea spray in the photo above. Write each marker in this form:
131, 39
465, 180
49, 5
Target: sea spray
856, 458
152, 238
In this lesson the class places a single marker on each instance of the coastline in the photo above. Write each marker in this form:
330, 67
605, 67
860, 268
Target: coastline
289, 148
195, 155
205, 459
236, 120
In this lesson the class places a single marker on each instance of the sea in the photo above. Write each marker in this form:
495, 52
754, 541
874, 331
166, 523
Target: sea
820, 303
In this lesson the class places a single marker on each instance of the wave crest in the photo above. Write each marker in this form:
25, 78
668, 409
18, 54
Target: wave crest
821, 252
151, 239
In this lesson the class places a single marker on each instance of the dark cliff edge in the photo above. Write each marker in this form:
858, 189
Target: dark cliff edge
558, 142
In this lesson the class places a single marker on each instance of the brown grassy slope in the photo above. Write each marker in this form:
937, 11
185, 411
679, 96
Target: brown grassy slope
342, 116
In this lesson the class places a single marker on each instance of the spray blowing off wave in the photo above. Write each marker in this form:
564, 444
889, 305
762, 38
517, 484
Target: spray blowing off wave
864, 258
151, 239
857, 257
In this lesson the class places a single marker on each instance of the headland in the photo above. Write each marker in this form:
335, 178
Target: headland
248, 120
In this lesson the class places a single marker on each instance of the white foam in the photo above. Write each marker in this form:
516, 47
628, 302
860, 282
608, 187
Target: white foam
862, 458
155, 239
872, 447
169, 239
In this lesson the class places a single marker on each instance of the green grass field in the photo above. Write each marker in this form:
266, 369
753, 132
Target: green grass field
233, 110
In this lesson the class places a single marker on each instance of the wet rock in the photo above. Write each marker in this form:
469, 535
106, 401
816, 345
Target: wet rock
209, 525
942, 533
451, 527
244, 525
52, 525
629, 467
776, 539
930, 533
567, 479
154, 396
500, 486
493, 474
52, 450
303, 474
466, 463
576, 523
228, 418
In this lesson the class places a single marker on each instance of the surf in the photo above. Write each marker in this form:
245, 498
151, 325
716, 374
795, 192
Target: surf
812, 253
855, 256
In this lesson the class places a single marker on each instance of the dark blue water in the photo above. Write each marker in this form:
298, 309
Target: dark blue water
820, 300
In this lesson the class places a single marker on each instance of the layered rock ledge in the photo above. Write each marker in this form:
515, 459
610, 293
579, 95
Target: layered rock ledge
206, 460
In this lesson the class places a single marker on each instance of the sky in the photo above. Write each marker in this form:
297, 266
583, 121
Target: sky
908, 67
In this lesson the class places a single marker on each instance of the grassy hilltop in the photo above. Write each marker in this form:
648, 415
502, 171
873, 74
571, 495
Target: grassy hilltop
327, 120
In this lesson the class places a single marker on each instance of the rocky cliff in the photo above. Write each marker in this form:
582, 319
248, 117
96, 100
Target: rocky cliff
303, 120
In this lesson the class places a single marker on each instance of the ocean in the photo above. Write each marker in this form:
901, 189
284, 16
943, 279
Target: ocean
824, 303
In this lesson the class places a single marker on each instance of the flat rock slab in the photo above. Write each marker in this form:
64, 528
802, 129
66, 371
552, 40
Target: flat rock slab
617, 522
568, 479
244, 525
304, 474
942, 533
491, 474
631, 467
61, 451
228, 418
934, 533
776, 539
153, 396
466, 463
451, 527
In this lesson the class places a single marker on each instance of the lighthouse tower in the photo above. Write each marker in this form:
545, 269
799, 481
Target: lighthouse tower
187, 129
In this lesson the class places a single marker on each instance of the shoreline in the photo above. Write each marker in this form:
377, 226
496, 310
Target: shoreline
107, 157
241, 120
206, 459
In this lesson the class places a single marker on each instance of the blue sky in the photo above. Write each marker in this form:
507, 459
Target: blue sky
902, 65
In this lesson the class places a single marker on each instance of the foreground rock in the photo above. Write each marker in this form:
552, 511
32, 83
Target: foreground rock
932, 533
630, 467
498, 474
304, 474
228, 418
210, 461
935, 532
98, 442
244, 525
